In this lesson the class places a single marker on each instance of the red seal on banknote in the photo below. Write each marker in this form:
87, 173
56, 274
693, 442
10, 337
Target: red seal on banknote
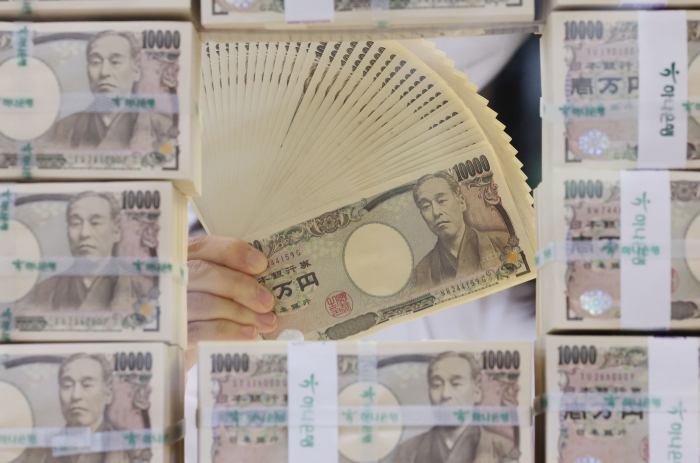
339, 304
644, 449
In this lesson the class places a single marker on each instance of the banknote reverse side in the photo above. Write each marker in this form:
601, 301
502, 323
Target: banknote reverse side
236, 377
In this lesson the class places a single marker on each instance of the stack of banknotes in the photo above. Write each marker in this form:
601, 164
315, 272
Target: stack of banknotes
93, 262
369, 15
108, 402
591, 90
625, 399
30, 10
93, 280
591, 130
373, 176
100, 100
618, 235
402, 402
548, 5
579, 284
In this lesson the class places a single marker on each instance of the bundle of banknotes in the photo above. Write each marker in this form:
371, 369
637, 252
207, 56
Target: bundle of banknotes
403, 402
372, 175
616, 398
579, 218
334, 15
591, 89
93, 262
548, 5
100, 100
29, 10
107, 402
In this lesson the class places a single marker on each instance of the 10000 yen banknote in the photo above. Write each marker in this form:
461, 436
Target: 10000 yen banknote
259, 6
91, 262
96, 9
441, 236
105, 400
602, 371
591, 89
584, 293
366, 14
99, 100
235, 377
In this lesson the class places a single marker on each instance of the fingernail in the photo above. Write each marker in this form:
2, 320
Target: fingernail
265, 296
256, 259
248, 331
267, 318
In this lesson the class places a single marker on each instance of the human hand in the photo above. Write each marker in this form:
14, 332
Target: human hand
225, 302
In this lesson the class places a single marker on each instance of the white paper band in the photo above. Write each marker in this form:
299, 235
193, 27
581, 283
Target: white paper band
309, 11
663, 73
76, 441
604, 249
613, 402
673, 369
23, 45
367, 379
44, 437
645, 216
613, 110
381, 10
33, 103
380, 416
22, 41
644, 3
312, 386
81, 266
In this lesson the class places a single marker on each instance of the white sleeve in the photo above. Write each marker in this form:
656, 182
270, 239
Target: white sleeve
481, 57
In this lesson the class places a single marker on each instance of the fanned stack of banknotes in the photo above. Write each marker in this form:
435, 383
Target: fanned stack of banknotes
93, 277
361, 170
617, 234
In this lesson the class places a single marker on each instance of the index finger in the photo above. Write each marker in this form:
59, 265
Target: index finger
227, 252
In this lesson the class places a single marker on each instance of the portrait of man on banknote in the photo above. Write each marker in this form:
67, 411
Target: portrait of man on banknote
94, 231
114, 71
454, 380
85, 391
461, 249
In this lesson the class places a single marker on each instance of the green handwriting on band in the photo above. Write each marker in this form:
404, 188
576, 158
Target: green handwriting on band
26, 161
583, 111
152, 267
307, 415
5, 324
639, 225
244, 418
5, 197
22, 40
20, 440
134, 102
19, 103
34, 266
